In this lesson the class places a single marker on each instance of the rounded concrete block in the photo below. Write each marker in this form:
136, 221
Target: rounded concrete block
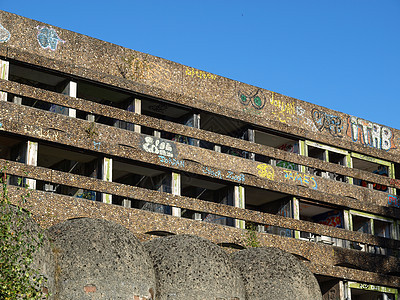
190, 267
270, 273
98, 259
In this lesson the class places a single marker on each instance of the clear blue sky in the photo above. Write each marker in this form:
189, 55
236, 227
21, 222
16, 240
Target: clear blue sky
342, 54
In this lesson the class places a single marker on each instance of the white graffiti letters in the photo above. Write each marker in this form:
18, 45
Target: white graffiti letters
158, 146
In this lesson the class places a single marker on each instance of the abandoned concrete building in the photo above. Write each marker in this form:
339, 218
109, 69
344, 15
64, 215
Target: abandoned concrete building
103, 132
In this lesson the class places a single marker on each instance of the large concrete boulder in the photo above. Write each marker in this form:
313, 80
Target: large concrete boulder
190, 267
97, 259
270, 273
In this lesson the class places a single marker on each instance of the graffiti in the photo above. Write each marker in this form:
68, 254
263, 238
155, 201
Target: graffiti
200, 74
370, 134
393, 201
292, 148
283, 110
4, 34
331, 123
235, 177
143, 69
307, 121
303, 179
172, 161
213, 173
158, 146
266, 171
257, 99
219, 174
40, 132
96, 145
48, 38
332, 218
395, 182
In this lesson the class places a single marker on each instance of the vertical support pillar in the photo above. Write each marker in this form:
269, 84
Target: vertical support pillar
176, 190
251, 138
239, 201
138, 110
107, 176
69, 90
196, 124
4, 71
31, 159
296, 214
303, 151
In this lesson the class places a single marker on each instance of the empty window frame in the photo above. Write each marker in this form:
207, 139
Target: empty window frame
270, 202
282, 142
328, 154
204, 188
373, 165
365, 291
372, 224
322, 214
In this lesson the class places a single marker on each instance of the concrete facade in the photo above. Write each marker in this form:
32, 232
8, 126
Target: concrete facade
105, 132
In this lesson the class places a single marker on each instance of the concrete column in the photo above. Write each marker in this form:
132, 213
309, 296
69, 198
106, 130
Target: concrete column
106, 176
70, 90
176, 190
296, 215
127, 203
138, 110
4, 71
31, 159
251, 138
239, 201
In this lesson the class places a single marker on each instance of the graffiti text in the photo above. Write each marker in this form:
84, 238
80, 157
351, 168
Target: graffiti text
303, 179
48, 38
331, 123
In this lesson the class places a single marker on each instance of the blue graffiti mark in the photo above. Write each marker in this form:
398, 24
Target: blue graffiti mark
96, 145
48, 38
218, 174
235, 177
172, 161
4, 34
211, 172
1, 125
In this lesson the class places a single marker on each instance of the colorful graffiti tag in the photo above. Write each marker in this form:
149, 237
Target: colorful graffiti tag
284, 110
266, 171
303, 179
4, 34
292, 148
172, 161
48, 38
393, 201
331, 123
370, 134
257, 99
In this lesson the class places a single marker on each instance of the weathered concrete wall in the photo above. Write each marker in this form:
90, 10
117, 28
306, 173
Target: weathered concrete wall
38, 43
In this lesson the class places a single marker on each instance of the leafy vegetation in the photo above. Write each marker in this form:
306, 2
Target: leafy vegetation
18, 244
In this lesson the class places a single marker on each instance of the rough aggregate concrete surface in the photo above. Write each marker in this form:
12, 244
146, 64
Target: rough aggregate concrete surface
270, 273
189, 267
98, 259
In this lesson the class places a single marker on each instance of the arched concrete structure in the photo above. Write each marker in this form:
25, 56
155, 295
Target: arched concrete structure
270, 273
190, 267
98, 259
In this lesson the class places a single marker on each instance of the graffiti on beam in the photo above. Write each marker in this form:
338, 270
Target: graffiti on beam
4, 34
224, 175
301, 178
199, 74
158, 146
257, 99
393, 201
266, 171
395, 182
284, 110
370, 134
172, 161
331, 123
307, 121
48, 38
145, 69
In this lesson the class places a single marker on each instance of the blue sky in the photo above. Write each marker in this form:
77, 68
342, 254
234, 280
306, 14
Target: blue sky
341, 54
